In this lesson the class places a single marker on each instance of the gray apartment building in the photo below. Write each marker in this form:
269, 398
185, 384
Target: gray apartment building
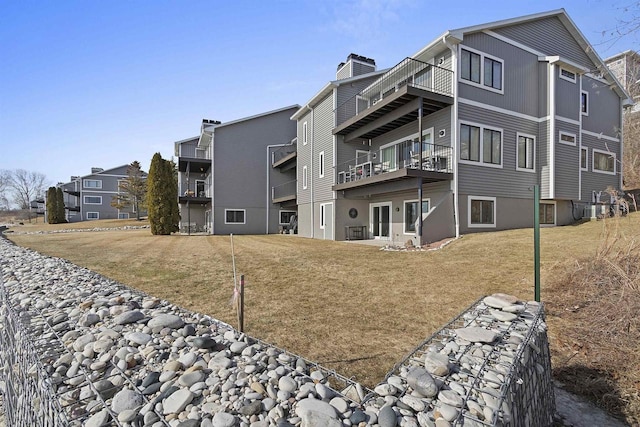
239, 177
89, 197
453, 138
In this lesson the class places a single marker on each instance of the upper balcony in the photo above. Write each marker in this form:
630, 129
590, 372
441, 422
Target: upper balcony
193, 159
397, 162
195, 192
285, 157
284, 193
394, 100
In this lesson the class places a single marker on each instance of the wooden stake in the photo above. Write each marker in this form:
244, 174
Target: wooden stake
241, 308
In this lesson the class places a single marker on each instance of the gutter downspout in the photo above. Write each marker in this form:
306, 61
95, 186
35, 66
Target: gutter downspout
454, 133
269, 167
552, 130
311, 181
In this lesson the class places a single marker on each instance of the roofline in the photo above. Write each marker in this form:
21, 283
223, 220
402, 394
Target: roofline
244, 119
509, 21
182, 141
97, 173
329, 88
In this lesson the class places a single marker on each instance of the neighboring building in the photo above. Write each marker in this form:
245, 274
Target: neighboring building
625, 66
89, 197
37, 206
226, 175
459, 134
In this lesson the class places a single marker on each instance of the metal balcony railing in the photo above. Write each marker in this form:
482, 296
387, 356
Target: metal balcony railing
409, 72
404, 155
191, 190
193, 152
287, 189
283, 152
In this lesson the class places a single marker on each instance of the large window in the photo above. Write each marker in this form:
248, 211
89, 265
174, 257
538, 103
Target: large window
482, 211
92, 200
285, 217
481, 70
92, 183
411, 214
604, 162
526, 153
547, 213
234, 216
93, 215
480, 144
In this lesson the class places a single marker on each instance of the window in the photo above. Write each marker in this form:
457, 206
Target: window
567, 75
323, 216
604, 162
92, 183
321, 168
567, 138
584, 103
481, 145
304, 177
304, 133
584, 159
92, 200
482, 211
93, 215
547, 213
285, 217
234, 216
411, 214
526, 153
481, 70
123, 215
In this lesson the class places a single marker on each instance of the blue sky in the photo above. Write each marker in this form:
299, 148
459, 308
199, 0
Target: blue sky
103, 83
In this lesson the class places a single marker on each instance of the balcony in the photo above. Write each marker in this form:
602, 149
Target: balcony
193, 159
72, 208
395, 99
397, 162
194, 193
284, 158
72, 192
284, 192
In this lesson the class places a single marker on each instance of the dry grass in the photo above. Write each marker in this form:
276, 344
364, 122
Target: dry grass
349, 307
39, 225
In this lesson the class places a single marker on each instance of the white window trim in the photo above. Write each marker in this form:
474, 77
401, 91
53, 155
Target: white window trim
586, 150
593, 159
482, 128
123, 213
305, 177
584, 113
492, 199
563, 133
404, 215
97, 215
305, 128
280, 212
321, 161
84, 200
561, 69
323, 215
555, 212
84, 183
526, 135
480, 85
235, 210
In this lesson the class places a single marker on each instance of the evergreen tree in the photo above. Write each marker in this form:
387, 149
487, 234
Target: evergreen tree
60, 216
162, 196
52, 206
132, 190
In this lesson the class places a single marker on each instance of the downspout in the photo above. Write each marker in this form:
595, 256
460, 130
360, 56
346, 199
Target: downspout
454, 133
269, 167
621, 142
420, 218
552, 130
310, 179
580, 144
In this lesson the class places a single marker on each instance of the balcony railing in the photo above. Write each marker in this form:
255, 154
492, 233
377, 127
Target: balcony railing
284, 191
409, 72
283, 152
404, 155
192, 190
193, 152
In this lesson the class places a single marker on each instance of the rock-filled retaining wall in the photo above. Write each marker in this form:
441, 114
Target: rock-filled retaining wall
80, 349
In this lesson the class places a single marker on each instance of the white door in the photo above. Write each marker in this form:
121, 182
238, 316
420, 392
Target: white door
326, 221
380, 220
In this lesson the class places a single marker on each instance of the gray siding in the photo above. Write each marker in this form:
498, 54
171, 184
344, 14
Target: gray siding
188, 149
567, 163
595, 181
346, 94
567, 97
520, 71
543, 89
543, 158
304, 158
440, 120
488, 181
359, 69
548, 36
241, 165
323, 142
604, 108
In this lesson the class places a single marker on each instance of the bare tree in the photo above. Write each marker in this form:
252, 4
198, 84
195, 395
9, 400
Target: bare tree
5, 177
26, 186
626, 26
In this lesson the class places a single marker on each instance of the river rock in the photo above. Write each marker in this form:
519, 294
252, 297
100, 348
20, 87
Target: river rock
476, 334
126, 399
128, 317
177, 401
422, 382
223, 419
165, 320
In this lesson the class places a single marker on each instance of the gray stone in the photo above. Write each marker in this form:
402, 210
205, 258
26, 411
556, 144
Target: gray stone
126, 399
494, 302
287, 384
253, 408
237, 347
385, 389
451, 398
189, 423
315, 412
437, 363
165, 320
503, 315
139, 338
223, 419
105, 388
476, 334
387, 417
448, 412
177, 401
190, 378
82, 341
340, 404
128, 317
422, 382
89, 319
127, 415
203, 342
99, 419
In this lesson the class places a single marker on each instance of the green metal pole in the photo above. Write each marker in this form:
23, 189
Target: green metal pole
536, 240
